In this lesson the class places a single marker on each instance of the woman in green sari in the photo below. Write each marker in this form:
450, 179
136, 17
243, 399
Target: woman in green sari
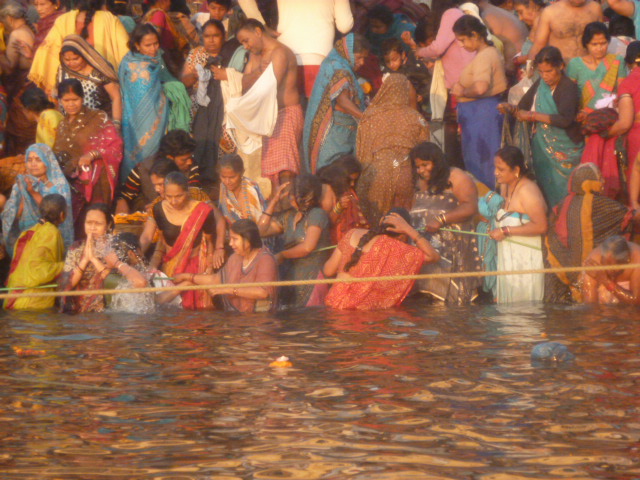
552, 104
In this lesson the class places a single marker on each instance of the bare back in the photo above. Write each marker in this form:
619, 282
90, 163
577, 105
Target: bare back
286, 70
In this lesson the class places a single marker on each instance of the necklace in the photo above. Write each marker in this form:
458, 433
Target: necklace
246, 263
509, 197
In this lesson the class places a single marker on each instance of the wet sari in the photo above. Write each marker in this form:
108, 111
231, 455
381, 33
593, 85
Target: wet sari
252, 206
555, 155
328, 131
580, 223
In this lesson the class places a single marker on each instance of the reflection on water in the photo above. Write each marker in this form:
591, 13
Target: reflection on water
417, 393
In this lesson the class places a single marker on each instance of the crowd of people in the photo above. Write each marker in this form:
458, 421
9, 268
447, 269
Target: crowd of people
170, 143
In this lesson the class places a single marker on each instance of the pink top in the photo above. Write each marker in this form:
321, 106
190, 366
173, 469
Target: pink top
448, 49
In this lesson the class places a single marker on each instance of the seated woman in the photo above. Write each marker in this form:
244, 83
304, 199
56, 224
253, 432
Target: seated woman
389, 129
340, 201
38, 257
79, 60
522, 219
89, 261
380, 252
240, 198
88, 148
250, 263
43, 176
188, 236
305, 230
447, 198
581, 222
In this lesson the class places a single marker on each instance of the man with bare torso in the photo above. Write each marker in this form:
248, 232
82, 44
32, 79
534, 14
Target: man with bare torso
561, 25
280, 151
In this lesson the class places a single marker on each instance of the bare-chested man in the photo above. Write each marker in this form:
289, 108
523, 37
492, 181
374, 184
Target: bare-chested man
280, 151
561, 25
613, 286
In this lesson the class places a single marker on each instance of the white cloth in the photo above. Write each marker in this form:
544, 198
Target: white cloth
307, 27
204, 75
438, 97
511, 256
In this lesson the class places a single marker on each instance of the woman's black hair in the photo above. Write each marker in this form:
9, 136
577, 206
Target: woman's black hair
212, 22
118, 7
35, 99
225, 3
180, 6
621, 26
439, 177
424, 30
592, 29
177, 178
392, 45
350, 163
307, 190
70, 85
139, 33
104, 208
251, 24
633, 53
513, 157
382, 13
51, 207
232, 161
550, 55
90, 7
69, 48
336, 176
360, 44
467, 25
381, 229
163, 167
248, 230
175, 143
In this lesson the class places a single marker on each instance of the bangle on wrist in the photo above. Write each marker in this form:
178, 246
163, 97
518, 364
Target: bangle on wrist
505, 231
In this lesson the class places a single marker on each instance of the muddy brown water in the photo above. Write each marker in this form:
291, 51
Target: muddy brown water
421, 392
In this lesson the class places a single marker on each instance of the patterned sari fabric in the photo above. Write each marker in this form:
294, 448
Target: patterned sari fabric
580, 223
145, 107
458, 252
182, 257
13, 224
386, 257
43, 26
554, 154
388, 131
350, 218
328, 132
250, 205
488, 207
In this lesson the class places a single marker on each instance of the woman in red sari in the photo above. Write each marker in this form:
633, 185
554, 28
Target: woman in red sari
48, 11
188, 235
377, 253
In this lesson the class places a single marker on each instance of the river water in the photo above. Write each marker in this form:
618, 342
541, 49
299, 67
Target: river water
421, 392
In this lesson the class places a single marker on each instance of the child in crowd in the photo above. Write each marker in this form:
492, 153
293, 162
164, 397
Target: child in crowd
216, 10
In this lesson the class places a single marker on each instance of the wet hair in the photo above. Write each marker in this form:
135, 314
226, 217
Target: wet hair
392, 45
618, 247
592, 29
336, 176
360, 44
381, 229
633, 53
125, 242
251, 24
139, 33
118, 7
248, 230
177, 178
424, 30
224, 3
621, 26
129, 239
381, 13
467, 25
163, 167
70, 85
215, 23
307, 190
51, 207
430, 152
104, 208
550, 55
175, 143
35, 100
232, 161
513, 157
90, 7
350, 163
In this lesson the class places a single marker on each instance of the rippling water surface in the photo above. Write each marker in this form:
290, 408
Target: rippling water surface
419, 393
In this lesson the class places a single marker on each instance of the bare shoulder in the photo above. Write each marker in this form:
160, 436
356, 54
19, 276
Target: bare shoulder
460, 177
594, 7
285, 53
530, 193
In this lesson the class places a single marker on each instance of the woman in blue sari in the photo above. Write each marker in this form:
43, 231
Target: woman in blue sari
145, 106
22, 210
335, 105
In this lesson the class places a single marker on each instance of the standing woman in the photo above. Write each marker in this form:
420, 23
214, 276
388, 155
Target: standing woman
528, 12
479, 91
145, 106
48, 11
523, 219
13, 61
335, 105
99, 80
389, 129
552, 103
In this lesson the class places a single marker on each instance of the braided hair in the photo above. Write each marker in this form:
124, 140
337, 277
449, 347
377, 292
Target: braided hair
90, 7
381, 229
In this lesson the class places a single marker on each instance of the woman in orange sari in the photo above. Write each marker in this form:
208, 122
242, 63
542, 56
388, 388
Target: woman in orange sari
188, 235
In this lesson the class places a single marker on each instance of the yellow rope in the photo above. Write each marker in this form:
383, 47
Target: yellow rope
320, 281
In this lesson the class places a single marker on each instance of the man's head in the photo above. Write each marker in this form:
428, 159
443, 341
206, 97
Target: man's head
178, 146
159, 171
251, 35
218, 8
615, 251
53, 208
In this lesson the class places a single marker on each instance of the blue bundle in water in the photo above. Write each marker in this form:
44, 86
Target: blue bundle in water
550, 353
